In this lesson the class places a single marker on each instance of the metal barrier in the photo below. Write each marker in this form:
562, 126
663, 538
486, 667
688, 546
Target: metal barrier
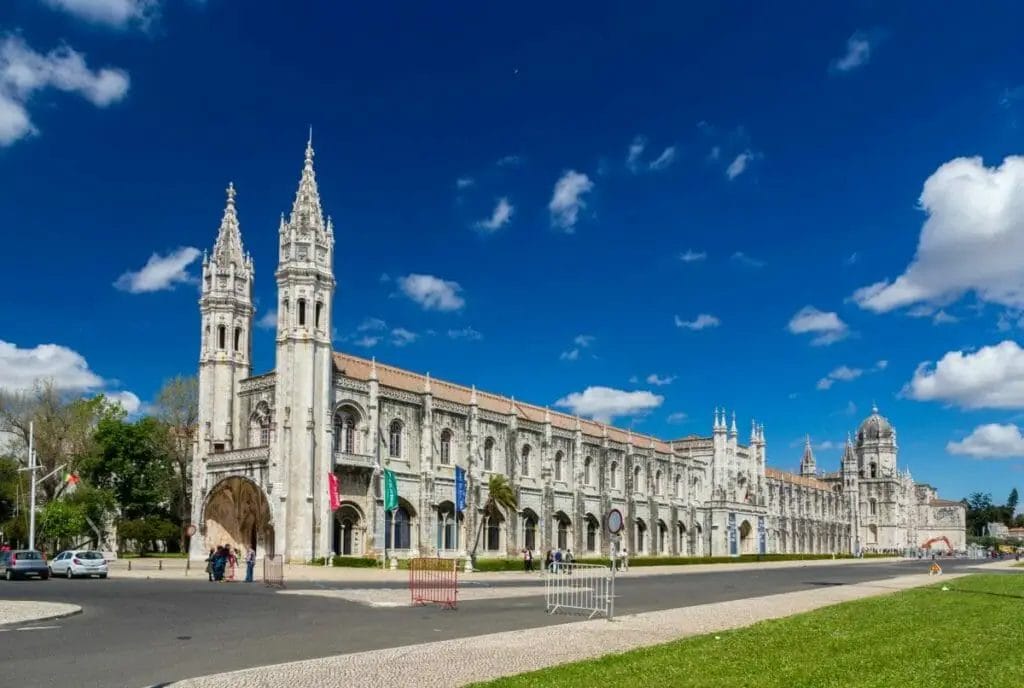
434, 580
582, 588
273, 571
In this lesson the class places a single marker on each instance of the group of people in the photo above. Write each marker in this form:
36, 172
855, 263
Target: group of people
222, 563
552, 559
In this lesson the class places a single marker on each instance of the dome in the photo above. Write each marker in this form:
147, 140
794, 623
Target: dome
875, 427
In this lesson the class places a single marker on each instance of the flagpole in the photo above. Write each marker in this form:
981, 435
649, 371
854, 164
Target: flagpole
32, 491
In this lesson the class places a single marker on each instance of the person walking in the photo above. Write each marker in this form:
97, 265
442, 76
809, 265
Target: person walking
209, 564
548, 561
250, 564
558, 561
527, 560
232, 557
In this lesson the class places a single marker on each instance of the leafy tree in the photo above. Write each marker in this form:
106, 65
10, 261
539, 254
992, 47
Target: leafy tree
499, 494
1011, 502
980, 512
10, 481
177, 406
61, 522
143, 532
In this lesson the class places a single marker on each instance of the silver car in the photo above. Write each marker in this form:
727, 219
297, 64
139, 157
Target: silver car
21, 563
79, 562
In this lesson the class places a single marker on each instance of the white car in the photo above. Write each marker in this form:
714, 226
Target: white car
83, 562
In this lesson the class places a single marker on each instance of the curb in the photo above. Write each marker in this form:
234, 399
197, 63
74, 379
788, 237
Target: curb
49, 617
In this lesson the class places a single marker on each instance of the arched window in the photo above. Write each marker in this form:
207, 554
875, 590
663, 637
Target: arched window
529, 530
238, 339
302, 312
662, 538
259, 426
222, 336
492, 530
564, 529
588, 467
345, 432
658, 487
677, 487
447, 527
559, 458
613, 475
592, 528
874, 469
319, 310
526, 459
395, 439
637, 479
641, 536
397, 529
489, 454
873, 506
446, 447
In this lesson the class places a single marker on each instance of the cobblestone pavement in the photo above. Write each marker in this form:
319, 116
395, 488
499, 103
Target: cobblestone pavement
399, 597
18, 612
500, 654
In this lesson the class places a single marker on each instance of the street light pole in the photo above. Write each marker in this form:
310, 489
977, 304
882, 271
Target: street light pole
32, 488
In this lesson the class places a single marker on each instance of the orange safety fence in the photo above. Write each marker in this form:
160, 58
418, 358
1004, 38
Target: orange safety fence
434, 580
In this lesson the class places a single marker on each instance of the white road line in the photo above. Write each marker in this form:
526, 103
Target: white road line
36, 628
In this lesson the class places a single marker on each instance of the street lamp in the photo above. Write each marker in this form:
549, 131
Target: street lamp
33, 466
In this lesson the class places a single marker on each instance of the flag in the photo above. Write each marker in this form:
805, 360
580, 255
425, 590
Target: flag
390, 490
460, 488
71, 479
332, 491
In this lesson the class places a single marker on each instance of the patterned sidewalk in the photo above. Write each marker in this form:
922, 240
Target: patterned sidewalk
18, 612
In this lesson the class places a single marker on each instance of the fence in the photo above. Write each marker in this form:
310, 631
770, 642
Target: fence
434, 580
273, 571
582, 588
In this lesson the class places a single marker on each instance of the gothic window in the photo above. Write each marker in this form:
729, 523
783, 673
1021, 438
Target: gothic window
526, 459
238, 338
658, 487
345, 432
592, 528
559, 459
873, 467
259, 426
489, 454
302, 312
873, 506
564, 528
613, 475
319, 310
447, 527
397, 529
395, 439
678, 487
588, 466
637, 478
222, 335
492, 530
530, 530
446, 447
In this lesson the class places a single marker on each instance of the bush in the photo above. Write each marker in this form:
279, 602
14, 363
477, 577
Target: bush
145, 531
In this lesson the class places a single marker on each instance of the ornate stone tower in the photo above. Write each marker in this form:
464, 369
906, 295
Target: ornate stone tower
851, 492
226, 351
808, 467
303, 449
876, 446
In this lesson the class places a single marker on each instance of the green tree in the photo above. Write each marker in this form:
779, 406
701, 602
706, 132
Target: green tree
1011, 502
980, 512
143, 532
177, 406
499, 494
61, 522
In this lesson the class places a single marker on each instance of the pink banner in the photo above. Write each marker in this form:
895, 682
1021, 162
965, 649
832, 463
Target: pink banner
332, 490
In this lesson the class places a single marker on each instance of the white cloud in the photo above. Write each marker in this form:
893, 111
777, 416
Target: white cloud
991, 441
501, 216
367, 341
882, 364
467, 333
970, 241
159, 272
991, 377
827, 326
748, 261
371, 325
852, 259
24, 72
464, 182
268, 321
432, 293
567, 199
634, 153
663, 161
510, 161
582, 341
943, 318
20, 369
858, 52
604, 403
570, 355
116, 13
653, 379
691, 256
740, 163
633, 379
128, 401
676, 418
401, 336
840, 374
701, 322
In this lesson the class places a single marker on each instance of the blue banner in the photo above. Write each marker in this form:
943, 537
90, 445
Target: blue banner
762, 536
734, 548
460, 488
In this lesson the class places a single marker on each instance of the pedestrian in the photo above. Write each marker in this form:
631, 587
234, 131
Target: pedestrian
250, 564
548, 561
232, 561
527, 560
558, 561
209, 564
219, 562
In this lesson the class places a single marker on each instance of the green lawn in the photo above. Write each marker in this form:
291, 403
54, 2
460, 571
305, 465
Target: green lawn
970, 635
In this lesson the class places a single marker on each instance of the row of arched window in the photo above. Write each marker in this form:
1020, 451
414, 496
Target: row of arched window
300, 311
222, 337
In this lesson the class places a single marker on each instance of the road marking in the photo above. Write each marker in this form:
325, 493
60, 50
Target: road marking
36, 628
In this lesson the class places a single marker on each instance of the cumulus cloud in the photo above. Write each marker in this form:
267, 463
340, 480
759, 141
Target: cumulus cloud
743, 259
159, 272
467, 333
21, 369
654, 379
991, 441
740, 163
858, 52
701, 322
691, 256
115, 13
840, 374
604, 403
991, 377
827, 327
500, 217
676, 418
432, 293
567, 199
25, 72
127, 400
268, 321
970, 241
582, 341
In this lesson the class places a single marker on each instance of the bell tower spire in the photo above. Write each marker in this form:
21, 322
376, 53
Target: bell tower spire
808, 467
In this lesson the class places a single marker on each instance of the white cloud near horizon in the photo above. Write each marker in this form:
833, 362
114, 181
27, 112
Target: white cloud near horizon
991, 377
127, 400
21, 369
113, 13
676, 418
970, 240
160, 272
827, 327
567, 200
500, 217
432, 293
701, 322
25, 72
858, 53
990, 441
604, 403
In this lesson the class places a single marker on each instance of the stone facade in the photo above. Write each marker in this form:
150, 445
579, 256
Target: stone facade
268, 443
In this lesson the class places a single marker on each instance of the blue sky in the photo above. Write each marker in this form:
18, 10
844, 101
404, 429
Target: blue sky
835, 190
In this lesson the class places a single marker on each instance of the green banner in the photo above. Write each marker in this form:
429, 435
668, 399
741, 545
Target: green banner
390, 490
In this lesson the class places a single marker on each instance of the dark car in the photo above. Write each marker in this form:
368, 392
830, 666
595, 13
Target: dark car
21, 563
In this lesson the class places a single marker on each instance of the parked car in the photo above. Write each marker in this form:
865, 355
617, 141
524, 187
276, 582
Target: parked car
80, 562
21, 563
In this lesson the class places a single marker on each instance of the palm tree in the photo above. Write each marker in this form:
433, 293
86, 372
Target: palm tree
499, 494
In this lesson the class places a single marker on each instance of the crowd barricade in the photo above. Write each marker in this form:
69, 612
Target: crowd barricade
434, 580
580, 588
273, 571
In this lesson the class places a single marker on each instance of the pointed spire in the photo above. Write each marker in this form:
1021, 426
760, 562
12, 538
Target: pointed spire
732, 430
512, 406
426, 384
753, 431
874, 408
307, 214
373, 368
228, 248
472, 396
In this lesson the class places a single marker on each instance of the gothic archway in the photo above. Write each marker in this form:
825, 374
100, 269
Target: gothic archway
237, 513
349, 530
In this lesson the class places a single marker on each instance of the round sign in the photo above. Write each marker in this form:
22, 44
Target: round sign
190, 530
614, 522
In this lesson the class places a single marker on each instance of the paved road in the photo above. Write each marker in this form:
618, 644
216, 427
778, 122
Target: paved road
137, 633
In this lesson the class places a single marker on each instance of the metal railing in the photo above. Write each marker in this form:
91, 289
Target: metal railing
273, 571
581, 588
434, 580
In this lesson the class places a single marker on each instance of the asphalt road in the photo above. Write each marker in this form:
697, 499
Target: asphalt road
137, 633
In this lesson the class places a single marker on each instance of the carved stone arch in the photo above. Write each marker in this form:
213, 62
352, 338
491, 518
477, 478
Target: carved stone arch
236, 512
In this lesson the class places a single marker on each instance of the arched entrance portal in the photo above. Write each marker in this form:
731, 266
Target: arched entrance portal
237, 514
746, 541
348, 530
